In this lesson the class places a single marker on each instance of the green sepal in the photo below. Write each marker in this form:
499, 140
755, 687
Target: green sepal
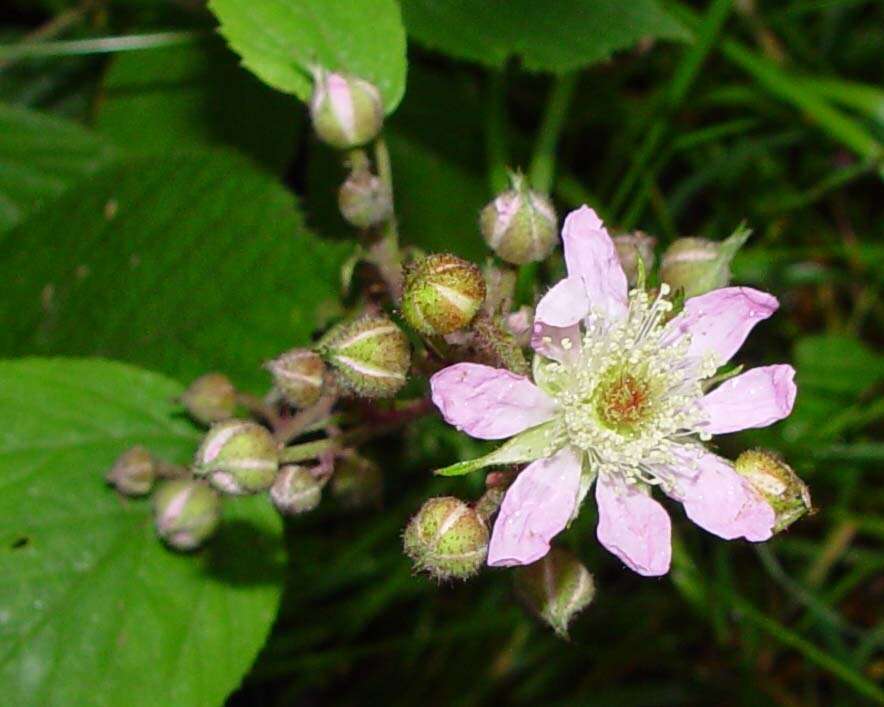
527, 446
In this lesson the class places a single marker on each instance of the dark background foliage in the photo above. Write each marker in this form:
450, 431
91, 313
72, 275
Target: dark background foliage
772, 113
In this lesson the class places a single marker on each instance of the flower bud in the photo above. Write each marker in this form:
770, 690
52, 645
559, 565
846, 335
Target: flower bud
520, 225
370, 356
186, 513
134, 472
210, 398
777, 483
357, 482
346, 111
364, 199
442, 294
447, 538
238, 457
694, 265
556, 588
295, 490
632, 248
298, 375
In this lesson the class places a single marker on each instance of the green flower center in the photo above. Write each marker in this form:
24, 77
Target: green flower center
623, 401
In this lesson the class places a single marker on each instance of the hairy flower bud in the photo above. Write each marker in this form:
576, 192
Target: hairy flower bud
357, 482
370, 356
632, 248
346, 111
238, 457
295, 490
210, 398
134, 472
364, 199
186, 513
298, 375
520, 225
447, 538
698, 265
777, 483
556, 588
442, 294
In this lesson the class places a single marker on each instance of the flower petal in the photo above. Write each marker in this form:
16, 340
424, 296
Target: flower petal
590, 255
536, 508
633, 526
719, 500
720, 321
757, 398
489, 403
557, 319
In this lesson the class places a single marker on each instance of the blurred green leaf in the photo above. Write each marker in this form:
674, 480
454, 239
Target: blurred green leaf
93, 609
279, 40
40, 157
196, 95
558, 37
184, 263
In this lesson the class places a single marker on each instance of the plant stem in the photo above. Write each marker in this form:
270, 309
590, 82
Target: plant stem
385, 253
99, 45
495, 132
543, 161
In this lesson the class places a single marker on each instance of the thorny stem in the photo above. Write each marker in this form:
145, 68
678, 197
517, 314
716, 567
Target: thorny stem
259, 408
290, 428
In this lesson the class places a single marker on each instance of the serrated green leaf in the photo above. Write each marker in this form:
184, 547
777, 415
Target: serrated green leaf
196, 95
525, 447
560, 36
280, 40
40, 157
184, 263
94, 610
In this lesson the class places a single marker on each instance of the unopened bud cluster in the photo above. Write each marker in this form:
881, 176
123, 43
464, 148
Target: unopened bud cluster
447, 539
357, 482
556, 588
777, 483
134, 472
365, 199
186, 513
442, 294
693, 265
210, 398
520, 225
298, 375
238, 457
635, 250
346, 111
370, 356
296, 490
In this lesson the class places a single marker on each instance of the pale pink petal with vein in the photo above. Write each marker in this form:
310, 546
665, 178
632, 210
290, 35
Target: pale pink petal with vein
633, 526
720, 321
489, 403
757, 398
536, 508
590, 255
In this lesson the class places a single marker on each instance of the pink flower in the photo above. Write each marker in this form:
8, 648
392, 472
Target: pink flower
618, 399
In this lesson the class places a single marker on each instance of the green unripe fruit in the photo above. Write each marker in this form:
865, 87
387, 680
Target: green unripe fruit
210, 398
298, 375
364, 199
556, 588
186, 513
442, 294
447, 539
370, 356
520, 225
346, 111
295, 490
777, 483
134, 472
238, 457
